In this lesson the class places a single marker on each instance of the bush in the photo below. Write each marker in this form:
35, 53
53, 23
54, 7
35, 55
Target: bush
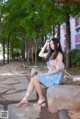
75, 57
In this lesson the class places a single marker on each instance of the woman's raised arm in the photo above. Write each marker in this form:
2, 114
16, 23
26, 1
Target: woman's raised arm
42, 54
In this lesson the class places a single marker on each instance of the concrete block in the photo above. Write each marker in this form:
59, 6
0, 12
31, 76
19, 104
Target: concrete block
63, 97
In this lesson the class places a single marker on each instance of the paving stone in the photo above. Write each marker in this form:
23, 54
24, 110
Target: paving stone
21, 86
4, 86
1, 99
1, 107
2, 90
10, 91
18, 96
22, 79
2, 79
28, 112
9, 81
18, 75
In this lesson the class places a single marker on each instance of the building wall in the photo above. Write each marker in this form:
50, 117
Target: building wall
75, 34
62, 37
72, 27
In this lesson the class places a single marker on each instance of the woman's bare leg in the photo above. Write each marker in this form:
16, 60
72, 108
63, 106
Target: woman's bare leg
38, 88
34, 83
24, 101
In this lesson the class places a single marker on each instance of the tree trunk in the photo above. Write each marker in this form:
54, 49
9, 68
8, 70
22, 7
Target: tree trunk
12, 53
11, 49
53, 31
26, 49
68, 42
32, 55
43, 41
23, 48
35, 53
58, 34
8, 43
28, 55
3, 44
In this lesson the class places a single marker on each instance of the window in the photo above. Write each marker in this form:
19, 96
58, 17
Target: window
77, 46
77, 30
77, 21
65, 35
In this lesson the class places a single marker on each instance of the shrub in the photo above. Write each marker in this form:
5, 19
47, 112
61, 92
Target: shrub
75, 57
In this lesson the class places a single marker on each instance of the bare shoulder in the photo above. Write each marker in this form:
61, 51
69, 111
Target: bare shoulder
60, 56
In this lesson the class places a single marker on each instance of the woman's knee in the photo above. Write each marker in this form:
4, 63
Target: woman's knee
34, 79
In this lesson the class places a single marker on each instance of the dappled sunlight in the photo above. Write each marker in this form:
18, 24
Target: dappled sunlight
10, 74
20, 115
27, 109
1, 58
6, 74
76, 78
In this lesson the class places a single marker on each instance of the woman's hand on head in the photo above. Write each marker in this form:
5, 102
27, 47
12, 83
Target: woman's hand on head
47, 42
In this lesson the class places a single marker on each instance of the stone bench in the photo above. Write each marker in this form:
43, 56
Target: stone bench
63, 97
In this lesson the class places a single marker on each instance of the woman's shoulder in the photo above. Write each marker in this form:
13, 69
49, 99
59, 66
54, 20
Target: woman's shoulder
60, 56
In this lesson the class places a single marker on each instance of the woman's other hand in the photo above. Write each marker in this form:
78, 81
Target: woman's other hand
47, 42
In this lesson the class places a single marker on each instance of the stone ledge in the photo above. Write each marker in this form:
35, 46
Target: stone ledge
63, 97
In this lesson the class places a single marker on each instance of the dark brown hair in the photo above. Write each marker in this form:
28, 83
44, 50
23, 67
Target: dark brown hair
57, 49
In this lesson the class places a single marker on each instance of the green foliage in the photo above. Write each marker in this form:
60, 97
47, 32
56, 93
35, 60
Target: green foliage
36, 18
16, 43
75, 57
16, 55
32, 19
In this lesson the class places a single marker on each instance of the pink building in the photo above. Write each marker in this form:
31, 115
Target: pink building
75, 33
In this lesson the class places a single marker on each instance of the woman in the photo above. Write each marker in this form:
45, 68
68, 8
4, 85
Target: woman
54, 59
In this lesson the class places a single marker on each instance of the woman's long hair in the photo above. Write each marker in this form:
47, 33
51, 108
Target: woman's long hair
57, 48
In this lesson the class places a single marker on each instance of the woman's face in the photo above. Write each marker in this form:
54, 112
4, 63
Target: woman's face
52, 45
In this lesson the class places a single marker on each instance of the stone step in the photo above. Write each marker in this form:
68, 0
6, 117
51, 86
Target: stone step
1, 107
28, 112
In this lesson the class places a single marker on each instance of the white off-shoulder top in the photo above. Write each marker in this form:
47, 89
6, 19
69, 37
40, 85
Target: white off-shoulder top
56, 63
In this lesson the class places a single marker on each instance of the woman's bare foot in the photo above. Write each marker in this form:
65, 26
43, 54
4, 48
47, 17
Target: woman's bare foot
41, 103
23, 102
41, 100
